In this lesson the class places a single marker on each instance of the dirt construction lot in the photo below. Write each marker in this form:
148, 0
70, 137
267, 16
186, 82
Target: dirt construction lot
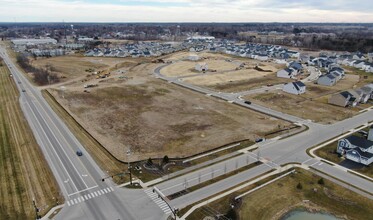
230, 75
23, 170
76, 66
311, 105
156, 118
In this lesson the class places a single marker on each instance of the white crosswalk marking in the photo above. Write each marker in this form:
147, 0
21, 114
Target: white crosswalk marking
86, 197
160, 203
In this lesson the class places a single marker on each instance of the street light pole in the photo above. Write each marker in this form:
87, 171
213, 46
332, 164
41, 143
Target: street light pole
129, 165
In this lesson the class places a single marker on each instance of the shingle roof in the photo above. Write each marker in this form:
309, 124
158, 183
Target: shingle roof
362, 153
299, 83
359, 141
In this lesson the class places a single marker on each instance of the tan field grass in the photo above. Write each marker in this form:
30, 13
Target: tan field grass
25, 174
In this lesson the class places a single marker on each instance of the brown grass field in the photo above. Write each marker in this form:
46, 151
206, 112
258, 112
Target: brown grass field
283, 196
315, 109
76, 66
155, 118
24, 172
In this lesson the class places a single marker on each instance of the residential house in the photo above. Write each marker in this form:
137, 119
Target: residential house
295, 88
202, 67
364, 96
296, 66
358, 56
358, 96
370, 57
342, 99
368, 90
359, 64
358, 149
286, 73
327, 80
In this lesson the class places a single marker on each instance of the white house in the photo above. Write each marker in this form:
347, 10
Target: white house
202, 67
359, 64
295, 88
358, 149
358, 57
286, 73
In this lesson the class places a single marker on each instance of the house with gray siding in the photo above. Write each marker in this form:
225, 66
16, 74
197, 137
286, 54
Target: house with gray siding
327, 80
295, 88
343, 99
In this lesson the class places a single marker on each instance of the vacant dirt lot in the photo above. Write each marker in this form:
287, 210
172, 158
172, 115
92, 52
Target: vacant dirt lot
75, 66
23, 170
226, 78
186, 68
156, 118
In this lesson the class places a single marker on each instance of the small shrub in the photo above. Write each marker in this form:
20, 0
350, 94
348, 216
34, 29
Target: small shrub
299, 186
165, 159
321, 181
149, 162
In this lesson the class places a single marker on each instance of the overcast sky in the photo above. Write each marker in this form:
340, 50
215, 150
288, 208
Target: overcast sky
186, 11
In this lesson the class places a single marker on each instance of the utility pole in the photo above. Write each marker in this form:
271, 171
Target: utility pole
129, 165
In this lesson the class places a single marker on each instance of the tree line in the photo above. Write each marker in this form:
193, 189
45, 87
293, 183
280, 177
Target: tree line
41, 76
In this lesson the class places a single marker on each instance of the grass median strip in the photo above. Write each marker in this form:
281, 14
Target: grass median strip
214, 180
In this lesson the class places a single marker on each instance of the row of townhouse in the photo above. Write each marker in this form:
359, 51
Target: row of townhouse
141, 49
352, 97
47, 52
256, 51
358, 61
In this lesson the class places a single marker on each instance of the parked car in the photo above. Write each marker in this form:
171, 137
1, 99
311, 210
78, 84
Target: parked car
79, 153
23, 90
